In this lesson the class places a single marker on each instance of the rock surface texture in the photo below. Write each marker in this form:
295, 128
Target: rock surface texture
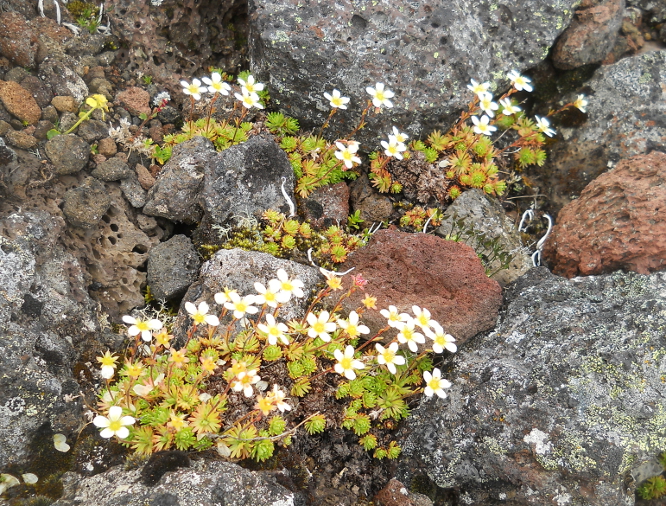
425, 52
203, 483
560, 404
616, 223
442, 276
625, 117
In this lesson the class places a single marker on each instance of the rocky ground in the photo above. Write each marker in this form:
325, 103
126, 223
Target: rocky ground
558, 382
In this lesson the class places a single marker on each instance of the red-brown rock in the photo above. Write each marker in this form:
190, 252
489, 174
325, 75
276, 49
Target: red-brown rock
443, 276
396, 494
616, 223
18, 41
19, 102
135, 100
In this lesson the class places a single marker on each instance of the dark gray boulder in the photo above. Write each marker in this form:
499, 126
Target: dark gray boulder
563, 403
175, 195
246, 180
172, 267
426, 52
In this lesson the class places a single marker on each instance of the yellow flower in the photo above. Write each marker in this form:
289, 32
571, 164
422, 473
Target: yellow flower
134, 370
176, 421
207, 364
264, 405
178, 358
334, 282
98, 102
163, 338
370, 302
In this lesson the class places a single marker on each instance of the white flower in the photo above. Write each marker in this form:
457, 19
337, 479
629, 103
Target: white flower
216, 84
580, 103
143, 327
352, 327
380, 96
320, 326
486, 103
108, 362
395, 319
277, 397
441, 339
347, 153
399, 136
240, 305
200, 315
389, 357
115, 424
435, 384
507, 107
269, 297
161, 97
337, 101
244, 382
422, 317
249, 100
195, 89
346, 363
393, 148
249, 85
544, 125
285, 284
274, 330
483, 127
478, 87
408, 335
519, 82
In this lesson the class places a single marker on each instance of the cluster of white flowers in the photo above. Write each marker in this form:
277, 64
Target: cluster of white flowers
215, 84
396, 144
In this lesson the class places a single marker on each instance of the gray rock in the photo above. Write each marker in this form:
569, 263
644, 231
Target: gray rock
63, 80
113, 169
93, 130
44, 311
591, 36
85, 205
203, 483
625, 117
561, 404
246, 180
426, 52
239, 269
175, 195
68, 153
133, 191
375, 207
172, 267
7, 155
491, 224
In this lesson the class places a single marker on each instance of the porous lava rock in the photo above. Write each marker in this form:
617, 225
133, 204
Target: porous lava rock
326, 206
85, 205
19, 102
68, 153
591, 35
625, 117
426, 52
616, 223
562, 403
18, 42
443, 276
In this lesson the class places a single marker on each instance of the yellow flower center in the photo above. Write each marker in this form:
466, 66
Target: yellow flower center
423, 319
337, 101
287, 286
199, 317
408, 334
108, 361
319, 327
193, 89
434, 383
379, 95
352, 330
115, 425
241, 306
346, 363
270, 297
389, 356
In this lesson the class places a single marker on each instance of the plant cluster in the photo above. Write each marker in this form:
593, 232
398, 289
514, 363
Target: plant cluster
94, 102
284, 237
242, 379
417, 217
653, 488
86, 14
